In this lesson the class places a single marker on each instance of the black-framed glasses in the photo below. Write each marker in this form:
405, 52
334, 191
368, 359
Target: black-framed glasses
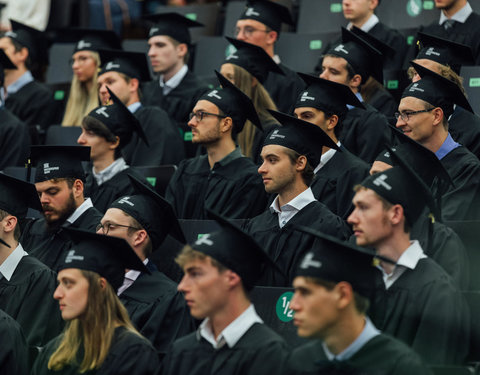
406, 115
247, 31
199, 115
107, 226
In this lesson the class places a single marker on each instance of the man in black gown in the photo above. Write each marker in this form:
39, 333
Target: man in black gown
13, 348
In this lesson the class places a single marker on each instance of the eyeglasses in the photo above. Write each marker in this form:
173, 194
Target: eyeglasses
247, 31
199, 115
406, 115
107, 226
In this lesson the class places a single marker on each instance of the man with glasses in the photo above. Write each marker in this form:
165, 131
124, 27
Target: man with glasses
223, 179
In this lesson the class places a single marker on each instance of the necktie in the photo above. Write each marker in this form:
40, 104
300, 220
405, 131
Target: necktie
448, 24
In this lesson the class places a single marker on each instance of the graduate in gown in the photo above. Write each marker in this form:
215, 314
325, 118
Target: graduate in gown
99, 337
13, 347
290, 153
333, 284
223, 179
177, 89
122, 72
153, 303
220, 269
59, 180
324, 103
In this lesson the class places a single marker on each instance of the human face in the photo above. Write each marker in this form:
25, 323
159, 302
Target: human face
71, 293
99, 146
118, 223
164, 56
9, 49
57, 200
257, 33
207, 131
429, 64
449, 4
277, 170
313, 116
358, 10
205, 288
228, 71
335, 69
117, 84
315, 309
369, 219
419, 126
84, 66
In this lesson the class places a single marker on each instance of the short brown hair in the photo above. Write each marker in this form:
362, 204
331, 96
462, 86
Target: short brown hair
308, 173
189, 254
92, 124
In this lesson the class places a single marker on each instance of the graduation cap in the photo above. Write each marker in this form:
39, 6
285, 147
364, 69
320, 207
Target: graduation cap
17, 196
89, 39
333, 260
132, 64
365, 59
34, 40
153, 212
301, 136
59, 162
436, 90
234, 103
267, 12
253, 59
235, 249
444, 51
108, 256
385, 49
174, 25
327, 96
119, 120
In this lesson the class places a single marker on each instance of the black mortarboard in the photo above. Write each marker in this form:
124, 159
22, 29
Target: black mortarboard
174, 25
385, 49
108, 256
34, 40
234, 103
333, 260
444, 51
267, 12
301, 136
327, 96
89, 39
17, 196
119, 120
365, 59
59, 162
152, 211
253, 59
437, 91
235, 249
132, 64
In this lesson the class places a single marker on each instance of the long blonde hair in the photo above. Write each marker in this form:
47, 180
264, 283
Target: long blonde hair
94, 330
81, 100
261, 100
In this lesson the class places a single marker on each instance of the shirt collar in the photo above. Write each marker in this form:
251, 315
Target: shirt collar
87, 203
411, 256
20, 82
368, 333
325, 158
461, 16
175, 80
116, 167
359, 96
277, 60
367, 26
296, 204
448, 145
233, 332
9, 265
134, 107
235, 154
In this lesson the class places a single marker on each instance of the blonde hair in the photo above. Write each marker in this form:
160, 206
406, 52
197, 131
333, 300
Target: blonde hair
446, 72
94, 330
82, 100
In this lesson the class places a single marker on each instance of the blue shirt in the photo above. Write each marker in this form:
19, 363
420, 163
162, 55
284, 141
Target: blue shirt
133, 107
446, 147
19, 83
359, 96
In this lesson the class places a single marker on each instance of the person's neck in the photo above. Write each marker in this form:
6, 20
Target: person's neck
132, 99
232, 310
218, 150
172, 71
270, 51
100, 163
6, 251
434, 142
348, 330
361, 21
291, 191
393, 248
456, 6
12, 75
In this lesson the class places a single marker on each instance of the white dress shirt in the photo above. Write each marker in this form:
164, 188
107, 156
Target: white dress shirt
174, 81
461, 16
290, 209
9, 265
87, 203
130, 278
116, 167
325, 158
367, 26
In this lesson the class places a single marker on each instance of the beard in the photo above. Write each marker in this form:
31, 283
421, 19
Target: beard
62, 214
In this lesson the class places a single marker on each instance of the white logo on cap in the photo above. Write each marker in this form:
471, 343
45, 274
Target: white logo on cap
126, 200
204, 240
380, 181
415, 88
251, 12
306, 97
214, 94
309, 262
431, 51
47, 169
11, 34
276, 135
83, 44
111, 65
71, 257
341, 48
232, 56
153, 30
102, 111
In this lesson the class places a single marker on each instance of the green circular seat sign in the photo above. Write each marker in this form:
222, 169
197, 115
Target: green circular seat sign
284, 313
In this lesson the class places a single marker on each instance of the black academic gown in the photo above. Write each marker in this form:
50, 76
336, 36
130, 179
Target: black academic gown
425, 310
14, 140
157, 309
384, 103
234, 190
129, 354
28, 298
49, 247
287, 246
259, 351
13, 347
178, 104
365, 133
165, 143
464, 127
333, 183
381, 355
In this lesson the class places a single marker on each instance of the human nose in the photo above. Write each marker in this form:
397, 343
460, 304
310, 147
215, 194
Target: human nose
262, 169
294, 303
58, 293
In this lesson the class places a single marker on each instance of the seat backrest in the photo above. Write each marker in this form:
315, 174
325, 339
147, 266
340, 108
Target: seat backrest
60, 70
322, 16
407, 13
63, 135
158, 177
471, 83
210, 52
